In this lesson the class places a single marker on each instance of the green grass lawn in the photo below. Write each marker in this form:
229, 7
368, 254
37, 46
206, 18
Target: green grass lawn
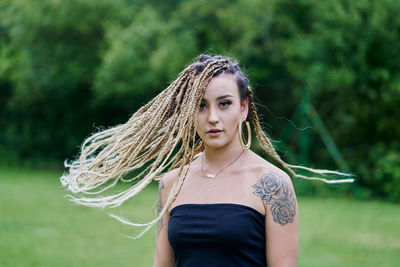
39, 227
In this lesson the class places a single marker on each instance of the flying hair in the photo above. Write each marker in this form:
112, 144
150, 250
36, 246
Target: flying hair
159, 137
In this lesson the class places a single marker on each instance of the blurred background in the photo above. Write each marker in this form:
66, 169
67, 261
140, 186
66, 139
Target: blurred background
326, 75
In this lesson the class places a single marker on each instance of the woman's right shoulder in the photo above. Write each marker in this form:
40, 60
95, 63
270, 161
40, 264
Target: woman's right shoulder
167, 180
166, 184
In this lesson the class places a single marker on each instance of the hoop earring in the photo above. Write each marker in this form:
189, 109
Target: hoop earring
241, 135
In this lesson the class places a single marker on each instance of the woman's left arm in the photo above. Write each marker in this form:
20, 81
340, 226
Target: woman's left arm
281, 221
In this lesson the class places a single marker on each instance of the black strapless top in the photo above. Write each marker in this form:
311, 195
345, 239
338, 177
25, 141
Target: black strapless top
220, 234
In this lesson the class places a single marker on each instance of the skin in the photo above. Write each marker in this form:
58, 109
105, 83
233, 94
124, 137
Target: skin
259, 185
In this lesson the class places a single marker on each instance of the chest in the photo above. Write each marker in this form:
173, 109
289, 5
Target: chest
234, 186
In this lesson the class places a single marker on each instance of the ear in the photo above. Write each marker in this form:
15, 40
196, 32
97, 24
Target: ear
244, 108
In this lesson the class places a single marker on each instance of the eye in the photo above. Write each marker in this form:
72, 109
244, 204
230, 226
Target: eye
225, 104
202, 106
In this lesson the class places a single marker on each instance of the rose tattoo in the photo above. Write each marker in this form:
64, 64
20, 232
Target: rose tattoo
277, 194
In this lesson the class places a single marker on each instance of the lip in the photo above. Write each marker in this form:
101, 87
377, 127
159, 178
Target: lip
214, 132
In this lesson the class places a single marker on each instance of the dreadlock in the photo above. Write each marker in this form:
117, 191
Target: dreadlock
165, 125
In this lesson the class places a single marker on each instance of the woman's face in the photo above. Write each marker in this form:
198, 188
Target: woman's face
220, 112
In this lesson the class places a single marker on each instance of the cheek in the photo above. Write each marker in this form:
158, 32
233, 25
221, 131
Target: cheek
200, 122
233, 123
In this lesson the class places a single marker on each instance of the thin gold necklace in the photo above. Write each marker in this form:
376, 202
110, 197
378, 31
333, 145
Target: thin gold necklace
212, 176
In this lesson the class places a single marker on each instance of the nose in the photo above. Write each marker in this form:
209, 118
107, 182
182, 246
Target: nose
213, 116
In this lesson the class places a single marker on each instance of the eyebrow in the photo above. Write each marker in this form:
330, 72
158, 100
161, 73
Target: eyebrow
222, 97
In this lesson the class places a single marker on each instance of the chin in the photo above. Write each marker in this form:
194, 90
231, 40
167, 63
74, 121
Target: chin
216, 145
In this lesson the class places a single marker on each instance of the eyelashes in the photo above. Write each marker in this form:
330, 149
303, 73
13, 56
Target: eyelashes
223, 105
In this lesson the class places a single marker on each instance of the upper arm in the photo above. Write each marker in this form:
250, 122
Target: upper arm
281, 221
164, 255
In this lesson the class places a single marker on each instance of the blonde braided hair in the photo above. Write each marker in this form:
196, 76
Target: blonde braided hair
167, 123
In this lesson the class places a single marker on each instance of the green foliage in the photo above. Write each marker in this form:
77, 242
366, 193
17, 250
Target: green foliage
348, 55
387, 179
66, 65
50, 46
143, 57
47, 63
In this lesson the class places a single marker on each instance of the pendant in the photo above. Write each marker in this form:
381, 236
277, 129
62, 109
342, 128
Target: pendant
208, 175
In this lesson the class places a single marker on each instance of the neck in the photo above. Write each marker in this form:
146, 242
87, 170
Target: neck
215, 158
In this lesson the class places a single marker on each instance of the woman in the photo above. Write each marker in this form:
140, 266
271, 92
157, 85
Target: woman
220, 204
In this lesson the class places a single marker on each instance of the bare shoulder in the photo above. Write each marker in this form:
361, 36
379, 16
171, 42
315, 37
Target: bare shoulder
263, 167
273, 181
275, 188
168, 179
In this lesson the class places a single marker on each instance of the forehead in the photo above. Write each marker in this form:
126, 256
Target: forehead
224, 83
